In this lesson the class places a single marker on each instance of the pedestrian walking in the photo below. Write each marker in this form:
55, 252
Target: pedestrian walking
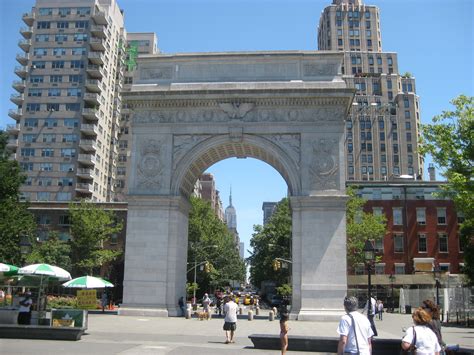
355, 331
284, 328
219, 305
206, 302
371, 313
380, 309
181, 305
230, 320
420, 336
103, 301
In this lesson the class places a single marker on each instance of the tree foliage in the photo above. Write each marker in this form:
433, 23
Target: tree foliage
271, 241
16, 222
361, 226
450, 141
52, 251
210, 240
91, 226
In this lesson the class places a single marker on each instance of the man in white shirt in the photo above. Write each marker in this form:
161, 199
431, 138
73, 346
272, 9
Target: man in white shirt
230, 320
24, 313
355, 332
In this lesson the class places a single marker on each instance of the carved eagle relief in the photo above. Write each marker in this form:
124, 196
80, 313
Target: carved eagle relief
236, 109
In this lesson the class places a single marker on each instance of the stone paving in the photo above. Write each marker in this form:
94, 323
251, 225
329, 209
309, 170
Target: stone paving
112, 334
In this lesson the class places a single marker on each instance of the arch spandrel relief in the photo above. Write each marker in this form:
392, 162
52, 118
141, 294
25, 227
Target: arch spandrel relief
324, 168
150, 165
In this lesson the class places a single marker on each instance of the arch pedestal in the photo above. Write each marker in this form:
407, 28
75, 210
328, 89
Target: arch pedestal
191, 111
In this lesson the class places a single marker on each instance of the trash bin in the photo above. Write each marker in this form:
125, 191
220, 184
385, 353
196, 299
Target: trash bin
408, 309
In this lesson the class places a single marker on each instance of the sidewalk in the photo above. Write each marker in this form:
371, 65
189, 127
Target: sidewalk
112, 334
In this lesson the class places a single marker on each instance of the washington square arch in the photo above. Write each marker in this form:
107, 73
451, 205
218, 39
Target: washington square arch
190, 111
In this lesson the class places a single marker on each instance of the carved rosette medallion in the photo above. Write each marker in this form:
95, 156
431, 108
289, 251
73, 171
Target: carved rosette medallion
149, 166
324, 166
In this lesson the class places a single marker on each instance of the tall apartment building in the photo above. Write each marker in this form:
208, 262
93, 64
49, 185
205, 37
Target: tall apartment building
67, 121
383, 127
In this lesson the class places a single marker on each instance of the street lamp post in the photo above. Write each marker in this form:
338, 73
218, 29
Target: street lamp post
25, 247
369, 256
436, 273
195, 269
392, 280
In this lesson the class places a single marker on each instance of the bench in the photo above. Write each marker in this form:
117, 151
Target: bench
40, 332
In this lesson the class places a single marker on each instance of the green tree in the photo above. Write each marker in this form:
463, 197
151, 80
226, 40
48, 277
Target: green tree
91, 226
16, 222
361, 226
271, 241
450, 141
210, 240
52, 251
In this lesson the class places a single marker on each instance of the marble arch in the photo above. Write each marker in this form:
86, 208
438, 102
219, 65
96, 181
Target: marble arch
190, 111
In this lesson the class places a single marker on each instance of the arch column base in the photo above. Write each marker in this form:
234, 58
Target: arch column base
125, 310
319, 315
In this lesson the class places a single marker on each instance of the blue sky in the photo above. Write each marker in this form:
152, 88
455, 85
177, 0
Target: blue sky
433, 39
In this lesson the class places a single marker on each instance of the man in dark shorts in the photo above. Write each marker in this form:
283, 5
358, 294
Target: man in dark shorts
230, 320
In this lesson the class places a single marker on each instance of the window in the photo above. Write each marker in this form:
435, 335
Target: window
409, 148
49, 138
47, 152
64, 220
78, 51
441, 213
27, 152
46, 166
40, 51
68, 152
65, 181
359, 269
55, 78
43, 196
123, 144
43, 25
63, 11
42, 38
350, 170
406, 103
408, 125
443, 242
63, 196
52, 107
71, 122
369, 43
422, 246
35, 92
45, 181
77, 64
31, 122
383, 158
390, 61
379, 60
80, 37
43, 219
421, 216
38, 64
121, 170
33, 107
410, 159
397, 217
73, 107
45, 11
36, 78
407, 114
59, 51
379, 268
54, 92
60, 38
75, 78
399, 269
122, 158
398, 243
382, 136
49, 122
29, 138
74, 92
82, 24
69, 138
83, 10
460, 217
66, 167
26, 166
62, 24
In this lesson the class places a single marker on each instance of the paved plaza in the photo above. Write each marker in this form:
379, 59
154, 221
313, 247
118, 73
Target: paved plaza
112, 334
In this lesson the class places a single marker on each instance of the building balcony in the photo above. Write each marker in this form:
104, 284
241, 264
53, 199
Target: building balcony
90, 114
97, 44
89, 129
92, 98
95, 71
96, 57
15, 113
12, 144
21, 71
88, 145
26, 32
13, 128
100, 18
19, 85
98, 31
86, 159
93, 85
12, 156
17, 98
85, 173
22, 58
25, 44
28, 18
84, 188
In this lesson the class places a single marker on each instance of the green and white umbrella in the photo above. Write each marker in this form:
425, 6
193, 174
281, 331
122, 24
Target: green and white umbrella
7, 269
88, 282
45, 270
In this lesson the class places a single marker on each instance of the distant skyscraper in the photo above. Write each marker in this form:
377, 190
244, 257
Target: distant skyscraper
242, 250
231, 220
268, 209
382, 128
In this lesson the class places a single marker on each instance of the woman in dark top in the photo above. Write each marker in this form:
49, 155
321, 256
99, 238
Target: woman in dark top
435, 323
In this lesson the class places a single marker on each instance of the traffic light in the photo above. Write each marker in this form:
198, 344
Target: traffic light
276, 265
207, 267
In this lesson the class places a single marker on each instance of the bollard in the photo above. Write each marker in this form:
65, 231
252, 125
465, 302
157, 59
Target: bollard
257, 311
275, 311
250, 315
188, 313
241, 310
271, 316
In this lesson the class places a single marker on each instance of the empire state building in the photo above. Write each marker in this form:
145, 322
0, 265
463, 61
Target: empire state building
231, 220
